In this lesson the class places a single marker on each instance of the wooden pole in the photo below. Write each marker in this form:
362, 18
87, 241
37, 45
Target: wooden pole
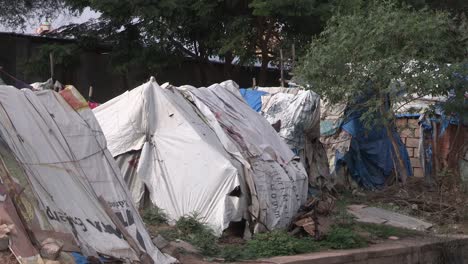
293, 50
281, 68
51, 61
90, 93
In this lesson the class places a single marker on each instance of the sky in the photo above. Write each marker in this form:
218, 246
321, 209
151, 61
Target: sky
61, 20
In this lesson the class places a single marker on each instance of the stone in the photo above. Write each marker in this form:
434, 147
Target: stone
402, 122
51, 248
185, 246
418, 172
414, 207
160, 242
408, 132
48, 261
393, 238
410, 152
413, 123
415, 163
412, 142
4, 243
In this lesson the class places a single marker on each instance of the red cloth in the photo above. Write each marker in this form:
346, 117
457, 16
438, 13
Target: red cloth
92, 105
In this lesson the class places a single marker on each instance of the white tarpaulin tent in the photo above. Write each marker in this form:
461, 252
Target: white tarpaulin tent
298, 112
63, 152
276, 180
163, 145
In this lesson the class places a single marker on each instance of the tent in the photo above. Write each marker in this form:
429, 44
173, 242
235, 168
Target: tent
162, 145
297, 112
178, 151
55, 150
275, 178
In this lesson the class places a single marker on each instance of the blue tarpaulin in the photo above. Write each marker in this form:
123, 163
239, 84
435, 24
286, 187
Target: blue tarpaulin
253, 98
370, 156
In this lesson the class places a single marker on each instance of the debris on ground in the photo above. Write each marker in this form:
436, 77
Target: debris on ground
443, 205
5, 230
160, 242
51, 248
312, 217
374, 215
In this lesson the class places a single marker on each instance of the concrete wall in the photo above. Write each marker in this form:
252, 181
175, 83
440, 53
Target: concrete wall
423, 250
94, 69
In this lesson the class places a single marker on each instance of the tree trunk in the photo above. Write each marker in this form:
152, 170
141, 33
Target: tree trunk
228, 66
400, 163
262, 76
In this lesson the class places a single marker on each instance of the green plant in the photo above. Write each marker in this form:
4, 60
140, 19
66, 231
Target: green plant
384, 56
277, 243
343, 238
195, 231
384, 231
154, 216
169, 234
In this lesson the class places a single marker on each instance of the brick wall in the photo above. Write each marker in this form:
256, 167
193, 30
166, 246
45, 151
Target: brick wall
409, 133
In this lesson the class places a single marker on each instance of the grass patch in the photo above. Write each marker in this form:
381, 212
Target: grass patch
154, 216
275, 243
192, 229
343, 238
384, 231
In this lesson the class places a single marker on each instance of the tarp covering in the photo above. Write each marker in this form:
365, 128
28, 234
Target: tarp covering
253, 98
298, 113
367, 154
370, 159
63, 152
181, 161
279, 181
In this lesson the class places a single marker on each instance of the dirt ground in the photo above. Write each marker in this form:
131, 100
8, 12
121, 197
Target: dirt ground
444, 204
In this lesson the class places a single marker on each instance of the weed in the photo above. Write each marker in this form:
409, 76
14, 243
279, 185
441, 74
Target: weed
270, 244
343, 238
154, 216
192, 229
384, 231
169, 234
190, 224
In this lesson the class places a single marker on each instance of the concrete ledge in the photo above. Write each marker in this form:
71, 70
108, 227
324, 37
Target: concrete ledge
431, 250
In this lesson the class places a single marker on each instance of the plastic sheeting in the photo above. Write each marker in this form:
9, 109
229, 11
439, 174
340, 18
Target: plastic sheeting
367, 154
298, 112
253, 98
277, 182
63, 152
182, 163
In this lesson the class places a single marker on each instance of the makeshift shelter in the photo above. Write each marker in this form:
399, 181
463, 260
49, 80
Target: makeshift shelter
433, 138
365, 155
296, 112
275, 178
185, 159
70, 185
163, 146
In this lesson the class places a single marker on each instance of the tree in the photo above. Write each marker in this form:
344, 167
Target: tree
15, 14
236, 31
389, 54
